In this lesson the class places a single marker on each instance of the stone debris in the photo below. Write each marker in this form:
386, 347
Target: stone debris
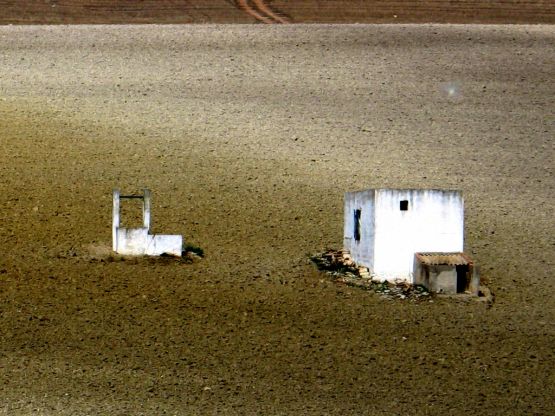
340, 266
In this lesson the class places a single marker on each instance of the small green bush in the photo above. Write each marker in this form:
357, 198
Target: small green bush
191, 248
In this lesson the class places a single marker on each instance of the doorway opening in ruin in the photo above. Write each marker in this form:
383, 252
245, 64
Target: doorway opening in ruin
462, 277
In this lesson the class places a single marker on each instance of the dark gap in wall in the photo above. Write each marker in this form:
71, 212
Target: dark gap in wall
357, 214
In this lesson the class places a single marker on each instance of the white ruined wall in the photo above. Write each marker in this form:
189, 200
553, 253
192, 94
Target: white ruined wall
139, 241
433, 221
158, 244
130, 241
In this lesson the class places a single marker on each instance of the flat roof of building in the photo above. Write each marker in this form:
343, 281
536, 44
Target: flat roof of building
444, 258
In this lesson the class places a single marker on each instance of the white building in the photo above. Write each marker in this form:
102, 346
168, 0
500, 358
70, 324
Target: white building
384, 228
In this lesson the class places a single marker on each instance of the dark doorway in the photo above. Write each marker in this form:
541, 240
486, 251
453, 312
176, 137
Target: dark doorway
462, 277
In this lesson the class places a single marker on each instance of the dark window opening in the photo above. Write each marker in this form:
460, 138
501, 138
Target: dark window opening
357, 224
404, 205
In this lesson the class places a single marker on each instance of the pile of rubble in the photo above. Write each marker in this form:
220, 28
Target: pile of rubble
340, 266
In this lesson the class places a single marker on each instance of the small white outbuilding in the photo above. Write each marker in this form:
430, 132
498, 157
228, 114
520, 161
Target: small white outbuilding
385, 228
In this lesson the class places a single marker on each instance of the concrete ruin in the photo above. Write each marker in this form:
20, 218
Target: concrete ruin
384, 228
447, 273
138, 241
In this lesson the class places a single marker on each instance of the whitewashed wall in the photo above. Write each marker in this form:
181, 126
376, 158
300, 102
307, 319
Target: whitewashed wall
362, 251
139, 241
434, 221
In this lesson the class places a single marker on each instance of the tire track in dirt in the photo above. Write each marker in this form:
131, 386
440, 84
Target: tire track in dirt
263, 7
261, 11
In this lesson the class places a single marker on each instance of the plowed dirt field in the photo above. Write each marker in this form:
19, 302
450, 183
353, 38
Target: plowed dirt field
248, 136
276, 11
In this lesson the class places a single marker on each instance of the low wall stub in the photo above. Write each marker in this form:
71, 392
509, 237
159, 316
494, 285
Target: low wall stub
138, 242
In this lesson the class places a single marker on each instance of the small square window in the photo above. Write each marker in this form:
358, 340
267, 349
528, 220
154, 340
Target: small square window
404, 205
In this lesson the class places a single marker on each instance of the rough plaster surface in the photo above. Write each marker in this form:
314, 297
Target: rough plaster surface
138, 242
249, 136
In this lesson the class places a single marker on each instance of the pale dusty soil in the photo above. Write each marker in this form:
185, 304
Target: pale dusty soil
248, 136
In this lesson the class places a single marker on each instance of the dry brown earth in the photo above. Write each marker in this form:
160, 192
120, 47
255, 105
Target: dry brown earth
248, 137
276, 11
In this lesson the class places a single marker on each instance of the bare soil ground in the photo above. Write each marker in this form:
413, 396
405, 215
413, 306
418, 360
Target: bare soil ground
276, 11
248, 136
